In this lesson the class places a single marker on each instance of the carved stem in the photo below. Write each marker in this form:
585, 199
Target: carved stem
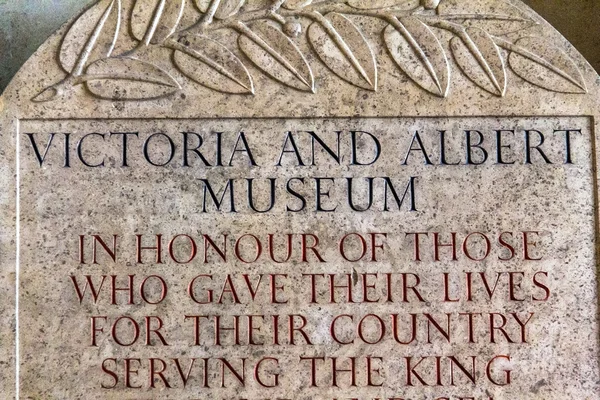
83, 57
455, 28
341, 7
484, 17
155, 21
207, 19
273, 12
383, 15
278, 17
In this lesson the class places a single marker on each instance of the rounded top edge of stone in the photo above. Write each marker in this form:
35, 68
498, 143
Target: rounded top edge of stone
128, 58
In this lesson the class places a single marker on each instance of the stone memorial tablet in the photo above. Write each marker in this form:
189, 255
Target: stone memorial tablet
296, 199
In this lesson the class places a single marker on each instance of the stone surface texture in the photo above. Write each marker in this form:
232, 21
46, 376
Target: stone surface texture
368, 70
25, 25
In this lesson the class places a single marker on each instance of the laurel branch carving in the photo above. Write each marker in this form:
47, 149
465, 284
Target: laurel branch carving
268, 39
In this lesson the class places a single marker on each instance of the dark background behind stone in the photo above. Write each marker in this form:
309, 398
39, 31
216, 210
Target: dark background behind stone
25, 25
577, 20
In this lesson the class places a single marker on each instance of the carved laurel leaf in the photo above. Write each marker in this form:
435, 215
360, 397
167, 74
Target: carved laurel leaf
546, 66
225, 8
375, 4
503, 19
212, 65
479, 58
276, 55
153, 21
418, 52
344, 49
128, 79
93, 36
296, 4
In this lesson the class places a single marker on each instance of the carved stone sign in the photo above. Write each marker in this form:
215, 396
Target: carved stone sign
296, 199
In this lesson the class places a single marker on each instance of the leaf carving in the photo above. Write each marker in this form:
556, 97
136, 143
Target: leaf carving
479, 58
128, 79
375, 4
418, 52
225, 8
479, 31
275, 54
544, 65
344, 49
503, 19
212, 65
93, 36
153, 21
296, 4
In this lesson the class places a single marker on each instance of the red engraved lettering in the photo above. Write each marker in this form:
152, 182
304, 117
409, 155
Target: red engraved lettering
313, 368
366, 287
157, 249
333, 331
111, 372
523, 325
379, 329
417, 244
163, 290
514, 286
275, 289
94, 289
376, 246
184, 377
542, 286
351, 370
437, 245
494, 327
362, 245
193, 250
272, 249
299, 329
274, 376
348, 286
526, 244
313, 247
410, 371
257, 247
507, 372
192, 293
488, 247
412, 330
156, 331
447, 298
134, 331
507, 246
371, 371
112, 253
156, 372
414, 288
129, 371
95, 329
241, 377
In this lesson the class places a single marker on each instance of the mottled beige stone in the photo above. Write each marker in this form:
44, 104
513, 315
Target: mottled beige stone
352, 71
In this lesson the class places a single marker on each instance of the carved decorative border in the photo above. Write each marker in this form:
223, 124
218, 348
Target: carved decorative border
267, 39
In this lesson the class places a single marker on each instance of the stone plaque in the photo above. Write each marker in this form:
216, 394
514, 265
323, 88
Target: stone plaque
229, 199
